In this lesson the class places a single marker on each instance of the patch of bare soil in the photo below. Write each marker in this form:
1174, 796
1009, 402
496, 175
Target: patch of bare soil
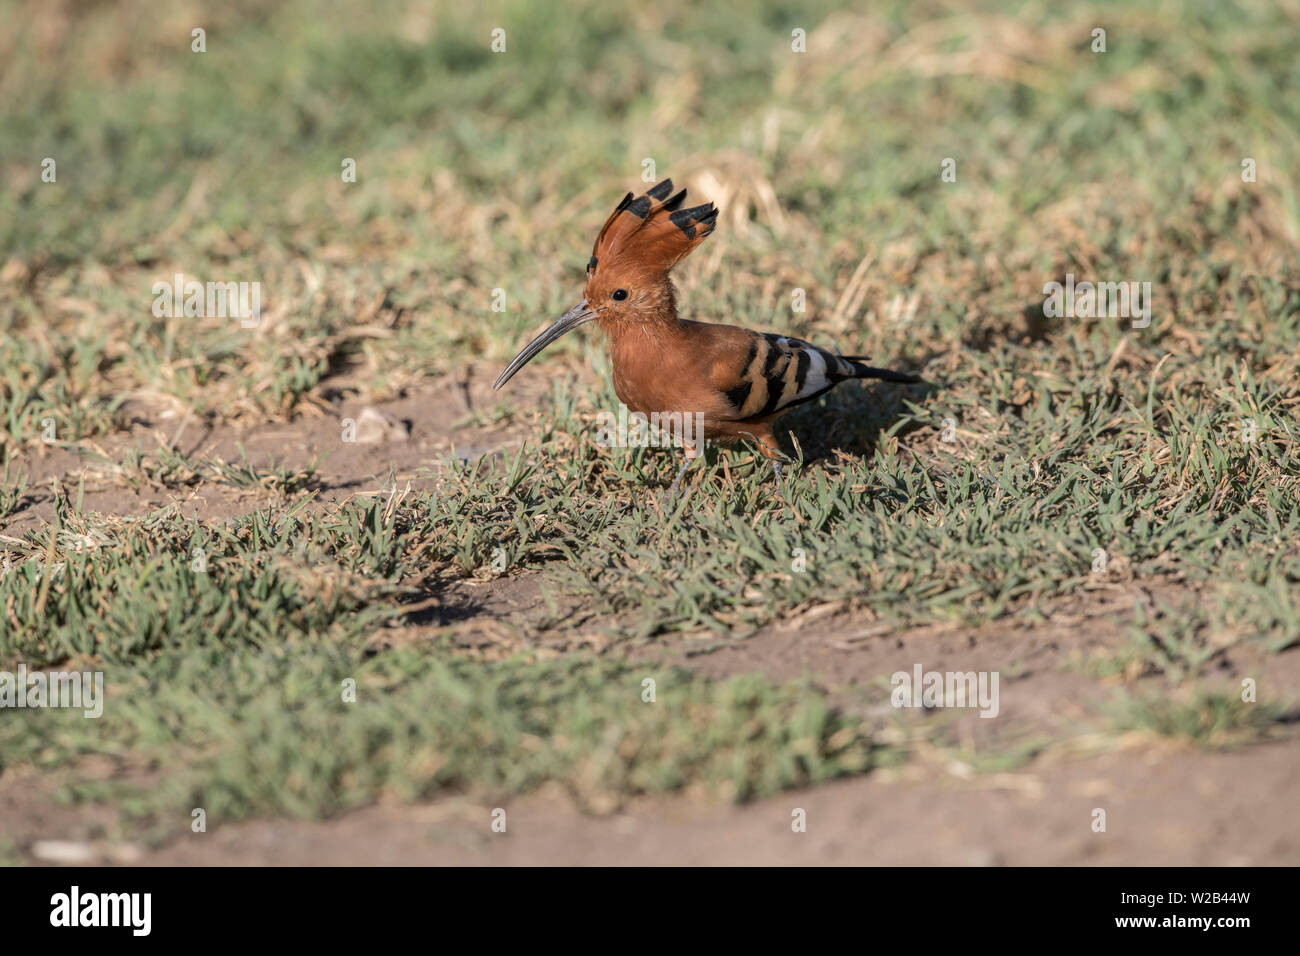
1163, 805
483, 616
412, 436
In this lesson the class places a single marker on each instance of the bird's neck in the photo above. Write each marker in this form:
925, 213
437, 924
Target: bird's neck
642, 345
642, 328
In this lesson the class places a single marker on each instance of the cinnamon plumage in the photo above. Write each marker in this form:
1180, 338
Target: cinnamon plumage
738, 381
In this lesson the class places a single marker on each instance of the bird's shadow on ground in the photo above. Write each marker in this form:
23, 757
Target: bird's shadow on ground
852, 417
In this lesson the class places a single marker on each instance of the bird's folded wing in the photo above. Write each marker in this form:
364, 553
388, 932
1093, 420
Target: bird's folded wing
777, 373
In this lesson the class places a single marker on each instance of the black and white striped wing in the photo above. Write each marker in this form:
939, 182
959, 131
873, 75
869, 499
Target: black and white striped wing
781, 372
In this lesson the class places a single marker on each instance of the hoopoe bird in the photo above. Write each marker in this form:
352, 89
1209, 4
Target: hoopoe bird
737, 381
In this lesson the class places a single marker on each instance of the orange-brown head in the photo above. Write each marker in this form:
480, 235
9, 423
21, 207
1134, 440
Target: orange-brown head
627, 275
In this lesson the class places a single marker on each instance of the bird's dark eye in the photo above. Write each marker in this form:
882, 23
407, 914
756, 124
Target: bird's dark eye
620, 295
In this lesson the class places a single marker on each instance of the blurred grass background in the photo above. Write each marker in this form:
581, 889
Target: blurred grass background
479, 170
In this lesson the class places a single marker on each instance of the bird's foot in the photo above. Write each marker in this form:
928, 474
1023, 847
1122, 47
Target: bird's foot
671, 494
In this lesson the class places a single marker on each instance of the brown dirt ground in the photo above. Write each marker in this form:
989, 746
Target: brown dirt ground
1165, 803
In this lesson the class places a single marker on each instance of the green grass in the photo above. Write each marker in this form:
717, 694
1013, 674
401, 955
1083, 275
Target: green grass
480, 171
225, 165
13, 484
928, 535
235, 671
423, 726
1209, 719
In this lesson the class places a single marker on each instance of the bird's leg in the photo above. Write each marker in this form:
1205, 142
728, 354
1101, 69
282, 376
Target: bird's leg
772, 451
692, 452
677, 482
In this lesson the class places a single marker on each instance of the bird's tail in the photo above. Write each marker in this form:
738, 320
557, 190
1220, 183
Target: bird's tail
885, 374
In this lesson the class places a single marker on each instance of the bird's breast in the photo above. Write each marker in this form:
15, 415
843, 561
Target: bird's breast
664, 369
644, 390
670, 387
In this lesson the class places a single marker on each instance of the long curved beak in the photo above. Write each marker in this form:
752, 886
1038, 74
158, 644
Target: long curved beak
575, 317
